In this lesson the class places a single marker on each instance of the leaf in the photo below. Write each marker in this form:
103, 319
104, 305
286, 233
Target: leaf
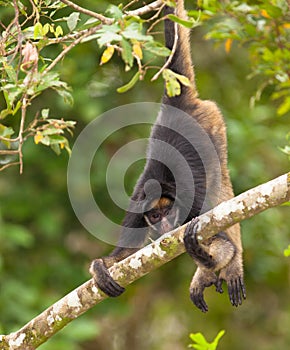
58, 31
107, 34
45, 29
157, 48
107, 55
171, 83
202, 343
265, 14
134, 31
37, 31
45, 113
129, 85
284, 107
228, 45
182, 78
6, 131
183, 22
38, 138
72, 20
287, 252
138, 50
66, 95
217, 339
127, 55
114, 12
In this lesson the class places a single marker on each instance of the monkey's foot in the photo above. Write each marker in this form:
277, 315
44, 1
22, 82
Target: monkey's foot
193, 248
236, 290
236, 286
104, 280
202, 279
196, 296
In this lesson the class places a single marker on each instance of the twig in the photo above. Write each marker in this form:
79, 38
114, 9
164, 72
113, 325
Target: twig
170, 57
8, 151
68, 48
103, 19
145, 9
8, 165
20, 134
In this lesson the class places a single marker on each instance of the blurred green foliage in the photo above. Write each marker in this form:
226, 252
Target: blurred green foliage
45, 252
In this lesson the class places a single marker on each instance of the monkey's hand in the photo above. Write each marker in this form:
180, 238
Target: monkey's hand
194, 249
104, 280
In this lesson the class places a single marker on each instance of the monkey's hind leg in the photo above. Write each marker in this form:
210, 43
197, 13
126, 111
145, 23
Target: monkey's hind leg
216, 255
204, 275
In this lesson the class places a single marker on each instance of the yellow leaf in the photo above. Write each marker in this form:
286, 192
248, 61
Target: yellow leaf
62, 145
228, 45
265, 14
38, 137
286, 25
137, 50
107, 55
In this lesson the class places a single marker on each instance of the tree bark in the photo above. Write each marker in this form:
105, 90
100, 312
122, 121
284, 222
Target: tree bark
166, 248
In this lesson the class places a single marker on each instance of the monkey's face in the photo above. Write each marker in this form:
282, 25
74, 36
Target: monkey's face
162, 217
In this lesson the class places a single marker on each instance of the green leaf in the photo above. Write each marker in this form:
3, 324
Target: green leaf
127, 55
58, 31
202, 343
129, 85
37, 32
45, 29
182, 78
45, 113
72, 20
114, 12
5, 131
171, 83
217, 339
287, 251
134, 31
107, 34
157, 48
10, 71
284, 106
183, 22
66, 95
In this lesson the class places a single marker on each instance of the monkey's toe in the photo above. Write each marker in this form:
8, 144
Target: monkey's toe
237, 291
104, 280
193, 248
218, 286
197, 298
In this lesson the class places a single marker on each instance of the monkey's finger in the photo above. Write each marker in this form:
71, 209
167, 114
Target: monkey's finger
111, 288
190, 231
243, 287
218, 286
198, 300
104, 280
231, 292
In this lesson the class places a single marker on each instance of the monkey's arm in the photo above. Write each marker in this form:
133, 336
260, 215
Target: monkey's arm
130, 241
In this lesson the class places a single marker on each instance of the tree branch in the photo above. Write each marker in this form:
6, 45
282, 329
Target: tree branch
166, 248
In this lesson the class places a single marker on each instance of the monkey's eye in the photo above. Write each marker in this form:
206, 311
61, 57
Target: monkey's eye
154, 217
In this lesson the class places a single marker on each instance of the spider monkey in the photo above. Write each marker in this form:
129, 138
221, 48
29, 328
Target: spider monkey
159, 204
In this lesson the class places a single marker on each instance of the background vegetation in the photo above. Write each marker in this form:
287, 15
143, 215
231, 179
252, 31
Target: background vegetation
44, 250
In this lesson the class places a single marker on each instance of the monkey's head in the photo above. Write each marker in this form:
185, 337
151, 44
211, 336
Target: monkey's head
161, 216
